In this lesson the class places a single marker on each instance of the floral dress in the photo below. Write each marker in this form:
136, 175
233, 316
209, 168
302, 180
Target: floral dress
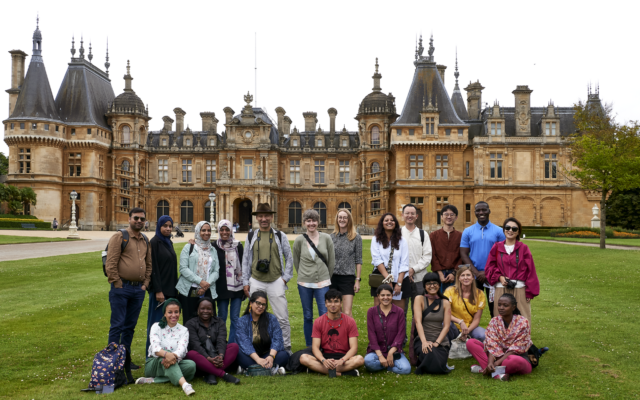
174, 340
516, 338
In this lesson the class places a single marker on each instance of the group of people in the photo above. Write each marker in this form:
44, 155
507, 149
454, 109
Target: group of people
468, 271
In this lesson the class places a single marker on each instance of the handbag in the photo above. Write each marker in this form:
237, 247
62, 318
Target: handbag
376, 280
396, 355
258, 370
458, 349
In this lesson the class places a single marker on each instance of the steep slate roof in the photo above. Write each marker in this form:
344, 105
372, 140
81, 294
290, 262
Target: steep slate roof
84, 95
260, 113
35, 100
458, 104
565, 114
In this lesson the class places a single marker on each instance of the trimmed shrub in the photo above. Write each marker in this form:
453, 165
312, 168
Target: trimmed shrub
11, 216
18, 225
581, 232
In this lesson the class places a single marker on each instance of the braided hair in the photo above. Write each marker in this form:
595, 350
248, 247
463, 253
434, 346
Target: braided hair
163, 322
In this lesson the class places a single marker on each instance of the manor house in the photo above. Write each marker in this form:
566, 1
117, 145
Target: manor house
438, 150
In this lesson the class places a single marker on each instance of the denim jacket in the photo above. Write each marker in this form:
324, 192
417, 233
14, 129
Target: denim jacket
244, 334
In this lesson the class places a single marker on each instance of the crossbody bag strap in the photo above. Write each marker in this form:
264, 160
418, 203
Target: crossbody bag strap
390, 259
313, 246
383, 330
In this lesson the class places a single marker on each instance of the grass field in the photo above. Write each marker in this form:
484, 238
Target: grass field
8, 239
622, 242
55, 317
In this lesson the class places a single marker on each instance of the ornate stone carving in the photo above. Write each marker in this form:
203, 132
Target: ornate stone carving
259, 173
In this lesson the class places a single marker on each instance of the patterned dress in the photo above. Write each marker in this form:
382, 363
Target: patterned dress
516, 338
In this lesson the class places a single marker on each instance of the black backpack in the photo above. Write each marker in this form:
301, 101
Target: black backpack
123, 245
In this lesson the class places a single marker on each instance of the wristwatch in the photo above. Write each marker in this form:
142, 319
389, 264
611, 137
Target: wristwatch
359, 279
399, 284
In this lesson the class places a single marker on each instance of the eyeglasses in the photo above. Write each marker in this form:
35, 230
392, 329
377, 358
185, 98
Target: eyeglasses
259, 304
511, 228
432, 284
448, 215
139, 219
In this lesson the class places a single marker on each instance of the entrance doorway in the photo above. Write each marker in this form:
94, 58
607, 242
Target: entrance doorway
243, 208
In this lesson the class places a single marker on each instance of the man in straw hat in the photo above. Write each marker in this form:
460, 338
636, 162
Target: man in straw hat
265, 251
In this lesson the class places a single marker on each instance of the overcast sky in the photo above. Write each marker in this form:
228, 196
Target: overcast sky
315, 55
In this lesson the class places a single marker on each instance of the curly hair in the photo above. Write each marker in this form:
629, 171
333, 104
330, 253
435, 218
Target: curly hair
381, 235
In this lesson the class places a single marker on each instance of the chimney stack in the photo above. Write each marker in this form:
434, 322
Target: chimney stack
441, 69
168, 123
332, 120
310, 121
474, 99
207, 121
522, 96
286, 125
280, 112
17, 77
228, 113
180, 113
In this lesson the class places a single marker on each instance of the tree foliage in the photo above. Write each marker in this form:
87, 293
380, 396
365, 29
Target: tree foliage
605, 155
623, 209
16, 198
4, 164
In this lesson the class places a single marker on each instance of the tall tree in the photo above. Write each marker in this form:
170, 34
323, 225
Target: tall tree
605, 154
623, 209
4, 164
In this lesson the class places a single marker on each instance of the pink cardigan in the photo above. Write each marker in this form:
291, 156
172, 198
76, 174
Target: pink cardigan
506, 266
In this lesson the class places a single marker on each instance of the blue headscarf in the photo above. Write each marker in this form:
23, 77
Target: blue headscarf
161, 221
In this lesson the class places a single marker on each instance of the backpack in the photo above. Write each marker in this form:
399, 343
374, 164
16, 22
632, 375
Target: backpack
250, 236
123, 245
421, 236
107, 373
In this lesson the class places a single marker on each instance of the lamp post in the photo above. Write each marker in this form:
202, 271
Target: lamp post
212, 221
73, 228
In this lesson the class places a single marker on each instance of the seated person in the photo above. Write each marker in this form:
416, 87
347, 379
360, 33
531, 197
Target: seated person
467, 303
169, 341
508, 338
208, 346
432, 315
334, 341
260, 338
386, 327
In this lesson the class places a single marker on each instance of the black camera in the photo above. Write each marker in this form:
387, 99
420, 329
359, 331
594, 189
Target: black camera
510, 284
263, 266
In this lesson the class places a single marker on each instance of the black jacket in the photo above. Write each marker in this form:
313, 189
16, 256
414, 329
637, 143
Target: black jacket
198, 335
164, 269
221, 283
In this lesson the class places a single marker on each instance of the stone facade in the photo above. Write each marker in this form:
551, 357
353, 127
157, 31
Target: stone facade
433, 153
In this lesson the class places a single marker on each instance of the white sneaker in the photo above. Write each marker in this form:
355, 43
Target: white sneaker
240, 370
140, 381
281, 371
188, 390
476, 369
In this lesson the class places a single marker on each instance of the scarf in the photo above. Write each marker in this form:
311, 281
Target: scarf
165, 239
204, 252
233, 269
163, 322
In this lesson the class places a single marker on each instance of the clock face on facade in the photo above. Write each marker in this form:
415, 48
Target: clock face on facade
247, 134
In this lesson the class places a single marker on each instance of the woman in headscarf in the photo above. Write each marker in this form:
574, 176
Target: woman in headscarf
164, 273
199, 270
229, 285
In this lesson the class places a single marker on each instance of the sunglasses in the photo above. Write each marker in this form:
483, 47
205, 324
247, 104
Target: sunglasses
511, 228
139, 219
259, 304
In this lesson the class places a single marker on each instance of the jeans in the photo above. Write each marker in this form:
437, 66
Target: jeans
223, 311
204, 365
126, 304
447, 272
477, 333
153, 317
277, 294
282, 358
400, 367
306, 298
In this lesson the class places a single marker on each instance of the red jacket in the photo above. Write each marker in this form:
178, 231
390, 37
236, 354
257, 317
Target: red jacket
505, 265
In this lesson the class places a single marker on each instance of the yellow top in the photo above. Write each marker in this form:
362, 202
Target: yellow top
458, 309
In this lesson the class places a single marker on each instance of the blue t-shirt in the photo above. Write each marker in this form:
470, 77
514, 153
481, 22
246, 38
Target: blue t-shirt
479, 240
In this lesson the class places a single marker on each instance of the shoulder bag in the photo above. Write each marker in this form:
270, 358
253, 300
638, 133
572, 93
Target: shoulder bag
313, 246
376, 279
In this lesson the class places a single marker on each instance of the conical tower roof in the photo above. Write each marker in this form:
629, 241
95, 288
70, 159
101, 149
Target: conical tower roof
456, 98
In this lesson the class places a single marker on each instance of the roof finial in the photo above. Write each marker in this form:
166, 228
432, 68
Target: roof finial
416, 56
376, 65
128, 68
107, 64
127, 79
38, 20
420, 48
73, 46
90, 57
431, 48
456, 74
81, 47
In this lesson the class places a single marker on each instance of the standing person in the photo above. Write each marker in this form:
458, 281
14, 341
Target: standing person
129, 273
146, 226
419, 253
314, 261
164, 272
335, 341
263, 268
55, 224
475, 245
511, 269
348, 248
467, 303
432, 315
169, 341
199, 271
508, 340
229, 283
208, 346
386, 327
390, 258
446, 247
260, 337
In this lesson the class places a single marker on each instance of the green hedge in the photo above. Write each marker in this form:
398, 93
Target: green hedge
608, 231
13, 224
536, 230
11, 216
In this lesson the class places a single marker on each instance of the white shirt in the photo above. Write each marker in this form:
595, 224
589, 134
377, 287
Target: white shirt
380, 255
419, 253
174, 340
509, 249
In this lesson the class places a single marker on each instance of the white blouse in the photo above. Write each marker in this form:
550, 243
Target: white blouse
174, 340
380, 255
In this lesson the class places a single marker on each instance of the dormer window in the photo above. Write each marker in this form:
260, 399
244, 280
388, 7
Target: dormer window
496, 129
345, 142
294, 143
164, 142
212, 142
46, 127
188, 142
550, 128
399, 132
73, 131
319, 142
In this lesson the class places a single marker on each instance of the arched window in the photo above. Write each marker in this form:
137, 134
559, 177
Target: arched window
126, 135
186, 212
125, 167
295, 214
162, 209
375, 135
344, 204
124, 171
207, 210
375, 186
322, 210
375, 168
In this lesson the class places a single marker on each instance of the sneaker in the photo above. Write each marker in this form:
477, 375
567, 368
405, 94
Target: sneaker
502, 377
231, 379
281, 371
188, 390
210, 379
240, 370
141, 381
450, 368
134, 367
476, 369
353, 372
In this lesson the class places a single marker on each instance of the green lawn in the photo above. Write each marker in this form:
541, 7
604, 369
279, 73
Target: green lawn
623, 242
56, 317
8, 239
